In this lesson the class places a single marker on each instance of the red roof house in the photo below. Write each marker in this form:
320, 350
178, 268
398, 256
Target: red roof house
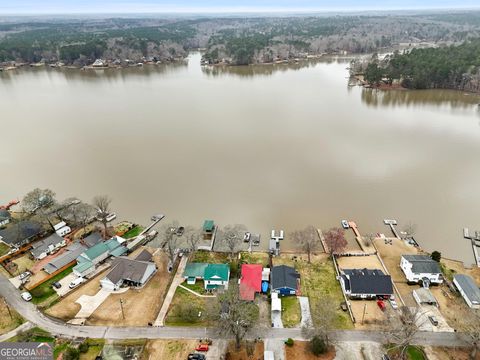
251, 281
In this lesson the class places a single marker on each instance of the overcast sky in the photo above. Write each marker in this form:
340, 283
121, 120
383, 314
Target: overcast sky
140, 6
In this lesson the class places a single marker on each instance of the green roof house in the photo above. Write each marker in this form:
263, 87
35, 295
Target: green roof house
96, 254
216, 275
194, 272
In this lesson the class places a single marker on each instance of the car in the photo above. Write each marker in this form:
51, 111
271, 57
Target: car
25, 275
393, 303
345, 224
56, 285
433, 320
76, 282
202, 347
246, 237
26, 296
196, 357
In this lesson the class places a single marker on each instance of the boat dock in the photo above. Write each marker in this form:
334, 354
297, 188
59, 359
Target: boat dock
475, 240
391, 223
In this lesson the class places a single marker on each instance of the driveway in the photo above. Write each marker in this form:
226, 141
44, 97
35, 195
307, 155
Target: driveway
277, 319
305, 309
277, 346
90, 303
366, 350
424, 323
64, 290
217, 350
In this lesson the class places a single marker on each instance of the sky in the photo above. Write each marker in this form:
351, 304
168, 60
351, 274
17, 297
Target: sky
219, 6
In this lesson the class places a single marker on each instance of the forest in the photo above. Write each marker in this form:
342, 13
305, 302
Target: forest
449, 67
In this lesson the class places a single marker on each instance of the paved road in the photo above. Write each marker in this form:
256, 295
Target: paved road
57, 327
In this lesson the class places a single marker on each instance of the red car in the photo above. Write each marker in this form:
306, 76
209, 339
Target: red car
202, 347
381, 305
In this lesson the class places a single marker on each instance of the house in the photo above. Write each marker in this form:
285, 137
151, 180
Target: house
72, 252
366, 284
250, 281
99, 63
285, 280
213, 275
421, 269
4, 217
128, 272
42, 248
21, 233
194, 272
424, 296
92, 239
88, 260
468, 289
216, 276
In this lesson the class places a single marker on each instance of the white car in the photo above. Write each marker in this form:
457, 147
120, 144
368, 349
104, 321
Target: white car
393, 303
25, 275
26, 296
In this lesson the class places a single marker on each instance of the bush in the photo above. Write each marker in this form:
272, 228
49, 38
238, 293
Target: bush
83, 348
289, 342
318, 346
437, 256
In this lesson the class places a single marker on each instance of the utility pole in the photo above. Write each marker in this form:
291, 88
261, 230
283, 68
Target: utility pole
121, 306
364, 311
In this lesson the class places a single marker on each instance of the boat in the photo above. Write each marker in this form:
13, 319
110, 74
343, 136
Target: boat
246, 237
180, 231
111, 217
345, 224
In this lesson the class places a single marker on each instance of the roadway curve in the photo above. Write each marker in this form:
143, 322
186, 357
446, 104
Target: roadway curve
59, 328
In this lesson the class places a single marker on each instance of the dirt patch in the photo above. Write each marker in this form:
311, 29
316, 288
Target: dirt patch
359, 262
139, 306
169, 349
67, 308
374, 318
442, 353
301, 351
255, 351
24, 263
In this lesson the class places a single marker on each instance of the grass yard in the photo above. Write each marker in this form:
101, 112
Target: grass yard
24, 263
8, 323
415, 353
198, 287
254, 258
95, 347
133, 232
45, 292
291, 314
4, 249
209, 257
181, 298
317, 279
33, 335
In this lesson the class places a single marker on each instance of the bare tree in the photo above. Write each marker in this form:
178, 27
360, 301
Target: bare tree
232, 237
307, 239
409, 230
324, 316
193, 236
38, 199
169, 240
85, 213
335, 240
402, 328
368, 239
102, 204
232, 315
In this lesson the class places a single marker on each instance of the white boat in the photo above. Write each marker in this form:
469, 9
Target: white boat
111, 217
345, 224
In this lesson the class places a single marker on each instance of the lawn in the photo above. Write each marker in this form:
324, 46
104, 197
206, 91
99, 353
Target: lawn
254, 258
4, 249
181, 298
319, 278
45, 291
33, 335
8, 323
209, 257
291, 314
133, 232
198, 287
415, 353
95, 346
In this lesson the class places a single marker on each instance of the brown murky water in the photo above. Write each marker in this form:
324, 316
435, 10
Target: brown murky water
269, 147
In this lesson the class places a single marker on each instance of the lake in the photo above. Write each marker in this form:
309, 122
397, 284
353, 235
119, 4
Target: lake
266, 146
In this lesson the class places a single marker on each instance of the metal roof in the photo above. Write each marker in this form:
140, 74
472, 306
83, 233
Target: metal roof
41, 246
83, 266
195, 270
469, 287
217, 272
72, 252
208, 225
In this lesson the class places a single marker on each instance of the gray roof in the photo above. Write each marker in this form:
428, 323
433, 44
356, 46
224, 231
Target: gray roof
20, 233
92, 239
144, 256
469, 287
425, 296
423, 264
41, 246
72, 252
4, 214
124, 268
284, 276
369, 282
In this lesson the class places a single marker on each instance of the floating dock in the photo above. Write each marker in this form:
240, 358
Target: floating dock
391, 223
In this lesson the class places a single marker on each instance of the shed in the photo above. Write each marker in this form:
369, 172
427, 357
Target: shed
276, 303
468, 289
268, 355
424, 296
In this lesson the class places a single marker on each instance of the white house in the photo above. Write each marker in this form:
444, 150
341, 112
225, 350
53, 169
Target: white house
4, 217
128, 272
468, 289
47, 246
421, 269
366, 284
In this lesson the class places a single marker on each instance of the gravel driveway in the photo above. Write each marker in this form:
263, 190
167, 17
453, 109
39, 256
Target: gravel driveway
305, 309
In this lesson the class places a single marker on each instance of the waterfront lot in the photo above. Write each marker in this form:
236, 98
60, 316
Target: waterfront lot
139, 306
183, 300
